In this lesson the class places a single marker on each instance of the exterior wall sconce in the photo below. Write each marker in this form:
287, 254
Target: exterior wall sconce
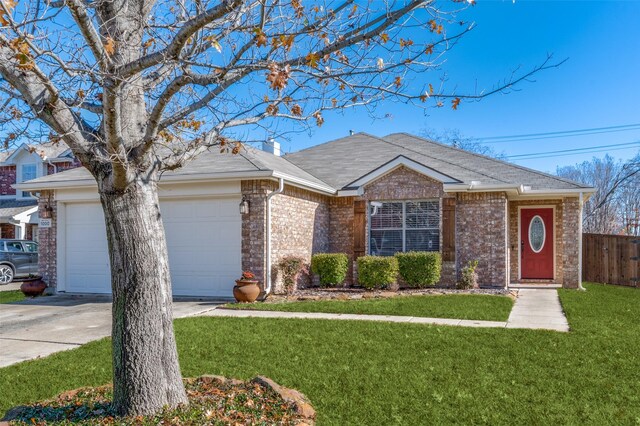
46, 212
244, 205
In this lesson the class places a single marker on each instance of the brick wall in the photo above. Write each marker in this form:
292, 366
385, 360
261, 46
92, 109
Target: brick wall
7, 178
341, 230
61, 167
299, 227
7, 230
514, 238
481, 234
570, 240
403, 184
253, 227
47, 242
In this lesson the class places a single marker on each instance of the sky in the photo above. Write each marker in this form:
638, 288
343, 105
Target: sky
598, 86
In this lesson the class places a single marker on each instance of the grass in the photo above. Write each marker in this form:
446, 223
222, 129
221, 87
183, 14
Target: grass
476, 307
11, 296
388, 373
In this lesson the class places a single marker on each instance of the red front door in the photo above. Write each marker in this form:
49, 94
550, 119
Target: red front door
536, 243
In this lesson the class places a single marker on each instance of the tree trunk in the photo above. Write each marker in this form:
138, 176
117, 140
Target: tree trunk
146, 372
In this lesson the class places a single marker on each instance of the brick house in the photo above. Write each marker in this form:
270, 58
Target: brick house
358, 195
18, 209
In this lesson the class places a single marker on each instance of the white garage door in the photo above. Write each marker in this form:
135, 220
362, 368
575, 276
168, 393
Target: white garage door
203, 237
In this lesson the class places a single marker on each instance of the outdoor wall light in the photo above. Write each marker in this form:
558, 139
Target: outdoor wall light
46, 212
244, 206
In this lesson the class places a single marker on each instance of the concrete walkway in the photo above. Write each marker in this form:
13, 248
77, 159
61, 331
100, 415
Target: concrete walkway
533, 309
39, 327
538, 309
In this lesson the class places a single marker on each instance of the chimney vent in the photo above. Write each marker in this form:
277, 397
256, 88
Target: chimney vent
271, 146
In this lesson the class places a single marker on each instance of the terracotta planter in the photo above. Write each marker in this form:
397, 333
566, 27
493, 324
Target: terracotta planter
33, 288
246, 290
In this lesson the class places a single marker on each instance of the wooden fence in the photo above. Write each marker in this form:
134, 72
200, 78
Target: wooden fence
611, 259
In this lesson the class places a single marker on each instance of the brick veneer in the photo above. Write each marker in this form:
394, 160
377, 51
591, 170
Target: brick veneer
47, 263
481, 234
7, 178
299, 227
253, 226
570, 239
7, 230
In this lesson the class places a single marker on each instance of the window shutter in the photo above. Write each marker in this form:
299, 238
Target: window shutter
359, 228
448, 229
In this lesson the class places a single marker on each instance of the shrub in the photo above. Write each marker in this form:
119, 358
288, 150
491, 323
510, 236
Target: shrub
291, 267
377, 271
469, 276
420, 268
331, 268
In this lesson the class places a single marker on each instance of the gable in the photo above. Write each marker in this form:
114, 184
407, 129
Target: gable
404, 162
403, 183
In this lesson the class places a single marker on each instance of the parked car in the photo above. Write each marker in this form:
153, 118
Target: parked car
18, 259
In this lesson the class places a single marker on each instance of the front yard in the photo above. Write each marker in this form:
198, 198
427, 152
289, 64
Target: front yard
388, 373
11, 296
473, 307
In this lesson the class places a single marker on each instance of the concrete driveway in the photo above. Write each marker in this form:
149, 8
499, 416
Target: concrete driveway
39, 327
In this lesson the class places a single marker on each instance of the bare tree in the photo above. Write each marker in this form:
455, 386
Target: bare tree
138, 87
457, 139
613, 209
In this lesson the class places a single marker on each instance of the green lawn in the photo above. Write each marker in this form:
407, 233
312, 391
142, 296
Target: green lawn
11, 296
476, 307
371, 373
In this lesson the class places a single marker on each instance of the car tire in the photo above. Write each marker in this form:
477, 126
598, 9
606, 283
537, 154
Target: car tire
6, 274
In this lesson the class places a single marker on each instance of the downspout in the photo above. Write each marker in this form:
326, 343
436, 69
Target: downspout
581, 201
55, 168
267, 284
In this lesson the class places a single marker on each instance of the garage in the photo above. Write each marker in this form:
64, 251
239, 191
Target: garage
203, 238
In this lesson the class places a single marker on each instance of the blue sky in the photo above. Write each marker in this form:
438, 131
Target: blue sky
597, 87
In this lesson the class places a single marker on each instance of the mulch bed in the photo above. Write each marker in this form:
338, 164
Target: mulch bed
213, 400
354, 293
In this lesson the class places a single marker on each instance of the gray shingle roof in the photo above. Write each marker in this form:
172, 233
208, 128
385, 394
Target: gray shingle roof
10, 208
343, 161
336, 164
213, 163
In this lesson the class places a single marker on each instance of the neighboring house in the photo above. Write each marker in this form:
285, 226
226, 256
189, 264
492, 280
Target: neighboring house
360, 194
18, 209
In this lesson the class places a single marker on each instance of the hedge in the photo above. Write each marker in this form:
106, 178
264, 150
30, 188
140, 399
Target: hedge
377, 271
331, 268
420, 268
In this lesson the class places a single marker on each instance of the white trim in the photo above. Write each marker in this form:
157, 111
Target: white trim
519, 192
61, 246
184, 178
553, 224
581, 201
394, 164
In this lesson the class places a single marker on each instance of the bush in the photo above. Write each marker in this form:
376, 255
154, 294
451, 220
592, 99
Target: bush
377, 271
420, 268
291, 267
469, 276
330, 267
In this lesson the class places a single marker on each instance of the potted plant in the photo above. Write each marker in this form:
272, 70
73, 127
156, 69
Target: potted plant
246, 288
33, 287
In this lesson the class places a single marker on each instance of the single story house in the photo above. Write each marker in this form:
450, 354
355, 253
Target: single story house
361, 194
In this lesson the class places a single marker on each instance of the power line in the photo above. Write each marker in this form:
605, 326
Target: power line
572, 153
558, 134
574, 149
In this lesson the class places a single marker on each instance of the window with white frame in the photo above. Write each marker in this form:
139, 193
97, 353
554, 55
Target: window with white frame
404, 226
28, 172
